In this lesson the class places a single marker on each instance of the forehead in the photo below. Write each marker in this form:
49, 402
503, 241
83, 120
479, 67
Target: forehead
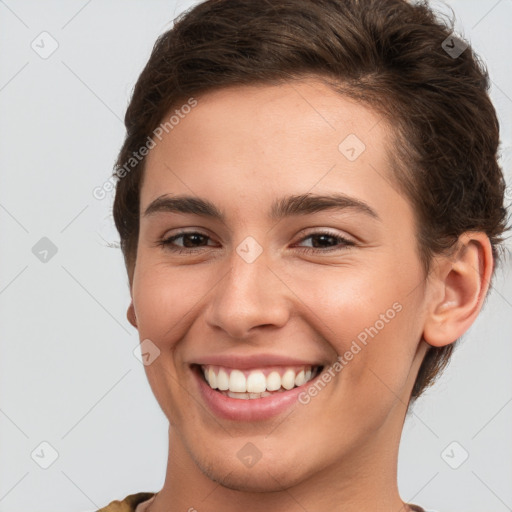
291, 111
254, 142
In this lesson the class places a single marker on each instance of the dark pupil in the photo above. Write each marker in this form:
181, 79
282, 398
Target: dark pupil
324, 237
190, 235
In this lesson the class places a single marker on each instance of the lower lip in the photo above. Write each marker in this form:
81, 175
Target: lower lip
253, 409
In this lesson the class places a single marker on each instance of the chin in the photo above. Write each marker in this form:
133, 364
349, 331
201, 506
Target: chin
264, 476
252, 480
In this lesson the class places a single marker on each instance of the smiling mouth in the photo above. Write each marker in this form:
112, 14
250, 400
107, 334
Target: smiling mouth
258, 382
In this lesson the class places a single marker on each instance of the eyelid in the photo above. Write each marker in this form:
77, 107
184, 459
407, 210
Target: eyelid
343, 242
326, 231
167, 239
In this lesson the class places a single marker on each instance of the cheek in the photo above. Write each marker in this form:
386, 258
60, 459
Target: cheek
165, 299
371, 321
349, 302
376, 356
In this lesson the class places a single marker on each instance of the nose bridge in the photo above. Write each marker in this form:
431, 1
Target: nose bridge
249, 295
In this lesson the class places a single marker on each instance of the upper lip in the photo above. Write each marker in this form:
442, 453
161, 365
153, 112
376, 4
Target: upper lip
255, 361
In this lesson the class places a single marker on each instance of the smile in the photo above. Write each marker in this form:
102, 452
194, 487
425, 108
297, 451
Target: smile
257, 383
252, 392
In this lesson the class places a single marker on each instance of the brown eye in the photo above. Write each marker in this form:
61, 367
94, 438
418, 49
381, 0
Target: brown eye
334, 242
192, 240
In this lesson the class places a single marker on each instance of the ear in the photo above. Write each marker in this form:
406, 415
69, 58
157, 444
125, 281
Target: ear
458, 287
130, 315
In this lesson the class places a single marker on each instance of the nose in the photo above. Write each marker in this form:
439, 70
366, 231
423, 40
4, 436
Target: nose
250, 297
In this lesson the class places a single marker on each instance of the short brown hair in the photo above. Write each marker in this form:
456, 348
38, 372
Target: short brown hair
387, 54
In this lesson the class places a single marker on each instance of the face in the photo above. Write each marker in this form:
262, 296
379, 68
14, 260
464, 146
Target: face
273, 291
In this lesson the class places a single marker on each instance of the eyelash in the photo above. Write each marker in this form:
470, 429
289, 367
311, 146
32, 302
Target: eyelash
166, 243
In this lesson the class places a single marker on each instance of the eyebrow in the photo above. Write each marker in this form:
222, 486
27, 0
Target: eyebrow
293, 205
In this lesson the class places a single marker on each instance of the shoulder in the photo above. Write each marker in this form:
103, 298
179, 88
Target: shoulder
128, 504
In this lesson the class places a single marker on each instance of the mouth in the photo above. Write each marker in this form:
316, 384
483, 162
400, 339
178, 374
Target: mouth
253, 394
259, 382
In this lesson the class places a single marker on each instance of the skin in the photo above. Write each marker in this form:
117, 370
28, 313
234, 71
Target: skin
241, 148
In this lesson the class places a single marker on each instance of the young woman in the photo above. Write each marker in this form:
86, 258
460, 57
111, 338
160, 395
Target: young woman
310, 210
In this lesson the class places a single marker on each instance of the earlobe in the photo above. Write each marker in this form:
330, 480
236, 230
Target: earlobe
130, 315
461, 282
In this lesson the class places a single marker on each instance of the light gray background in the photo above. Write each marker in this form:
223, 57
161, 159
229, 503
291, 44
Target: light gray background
68, 375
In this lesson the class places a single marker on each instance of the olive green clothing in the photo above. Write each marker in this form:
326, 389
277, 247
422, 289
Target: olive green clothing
129, 504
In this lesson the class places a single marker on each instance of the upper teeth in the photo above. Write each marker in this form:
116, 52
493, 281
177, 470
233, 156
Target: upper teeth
256, 381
